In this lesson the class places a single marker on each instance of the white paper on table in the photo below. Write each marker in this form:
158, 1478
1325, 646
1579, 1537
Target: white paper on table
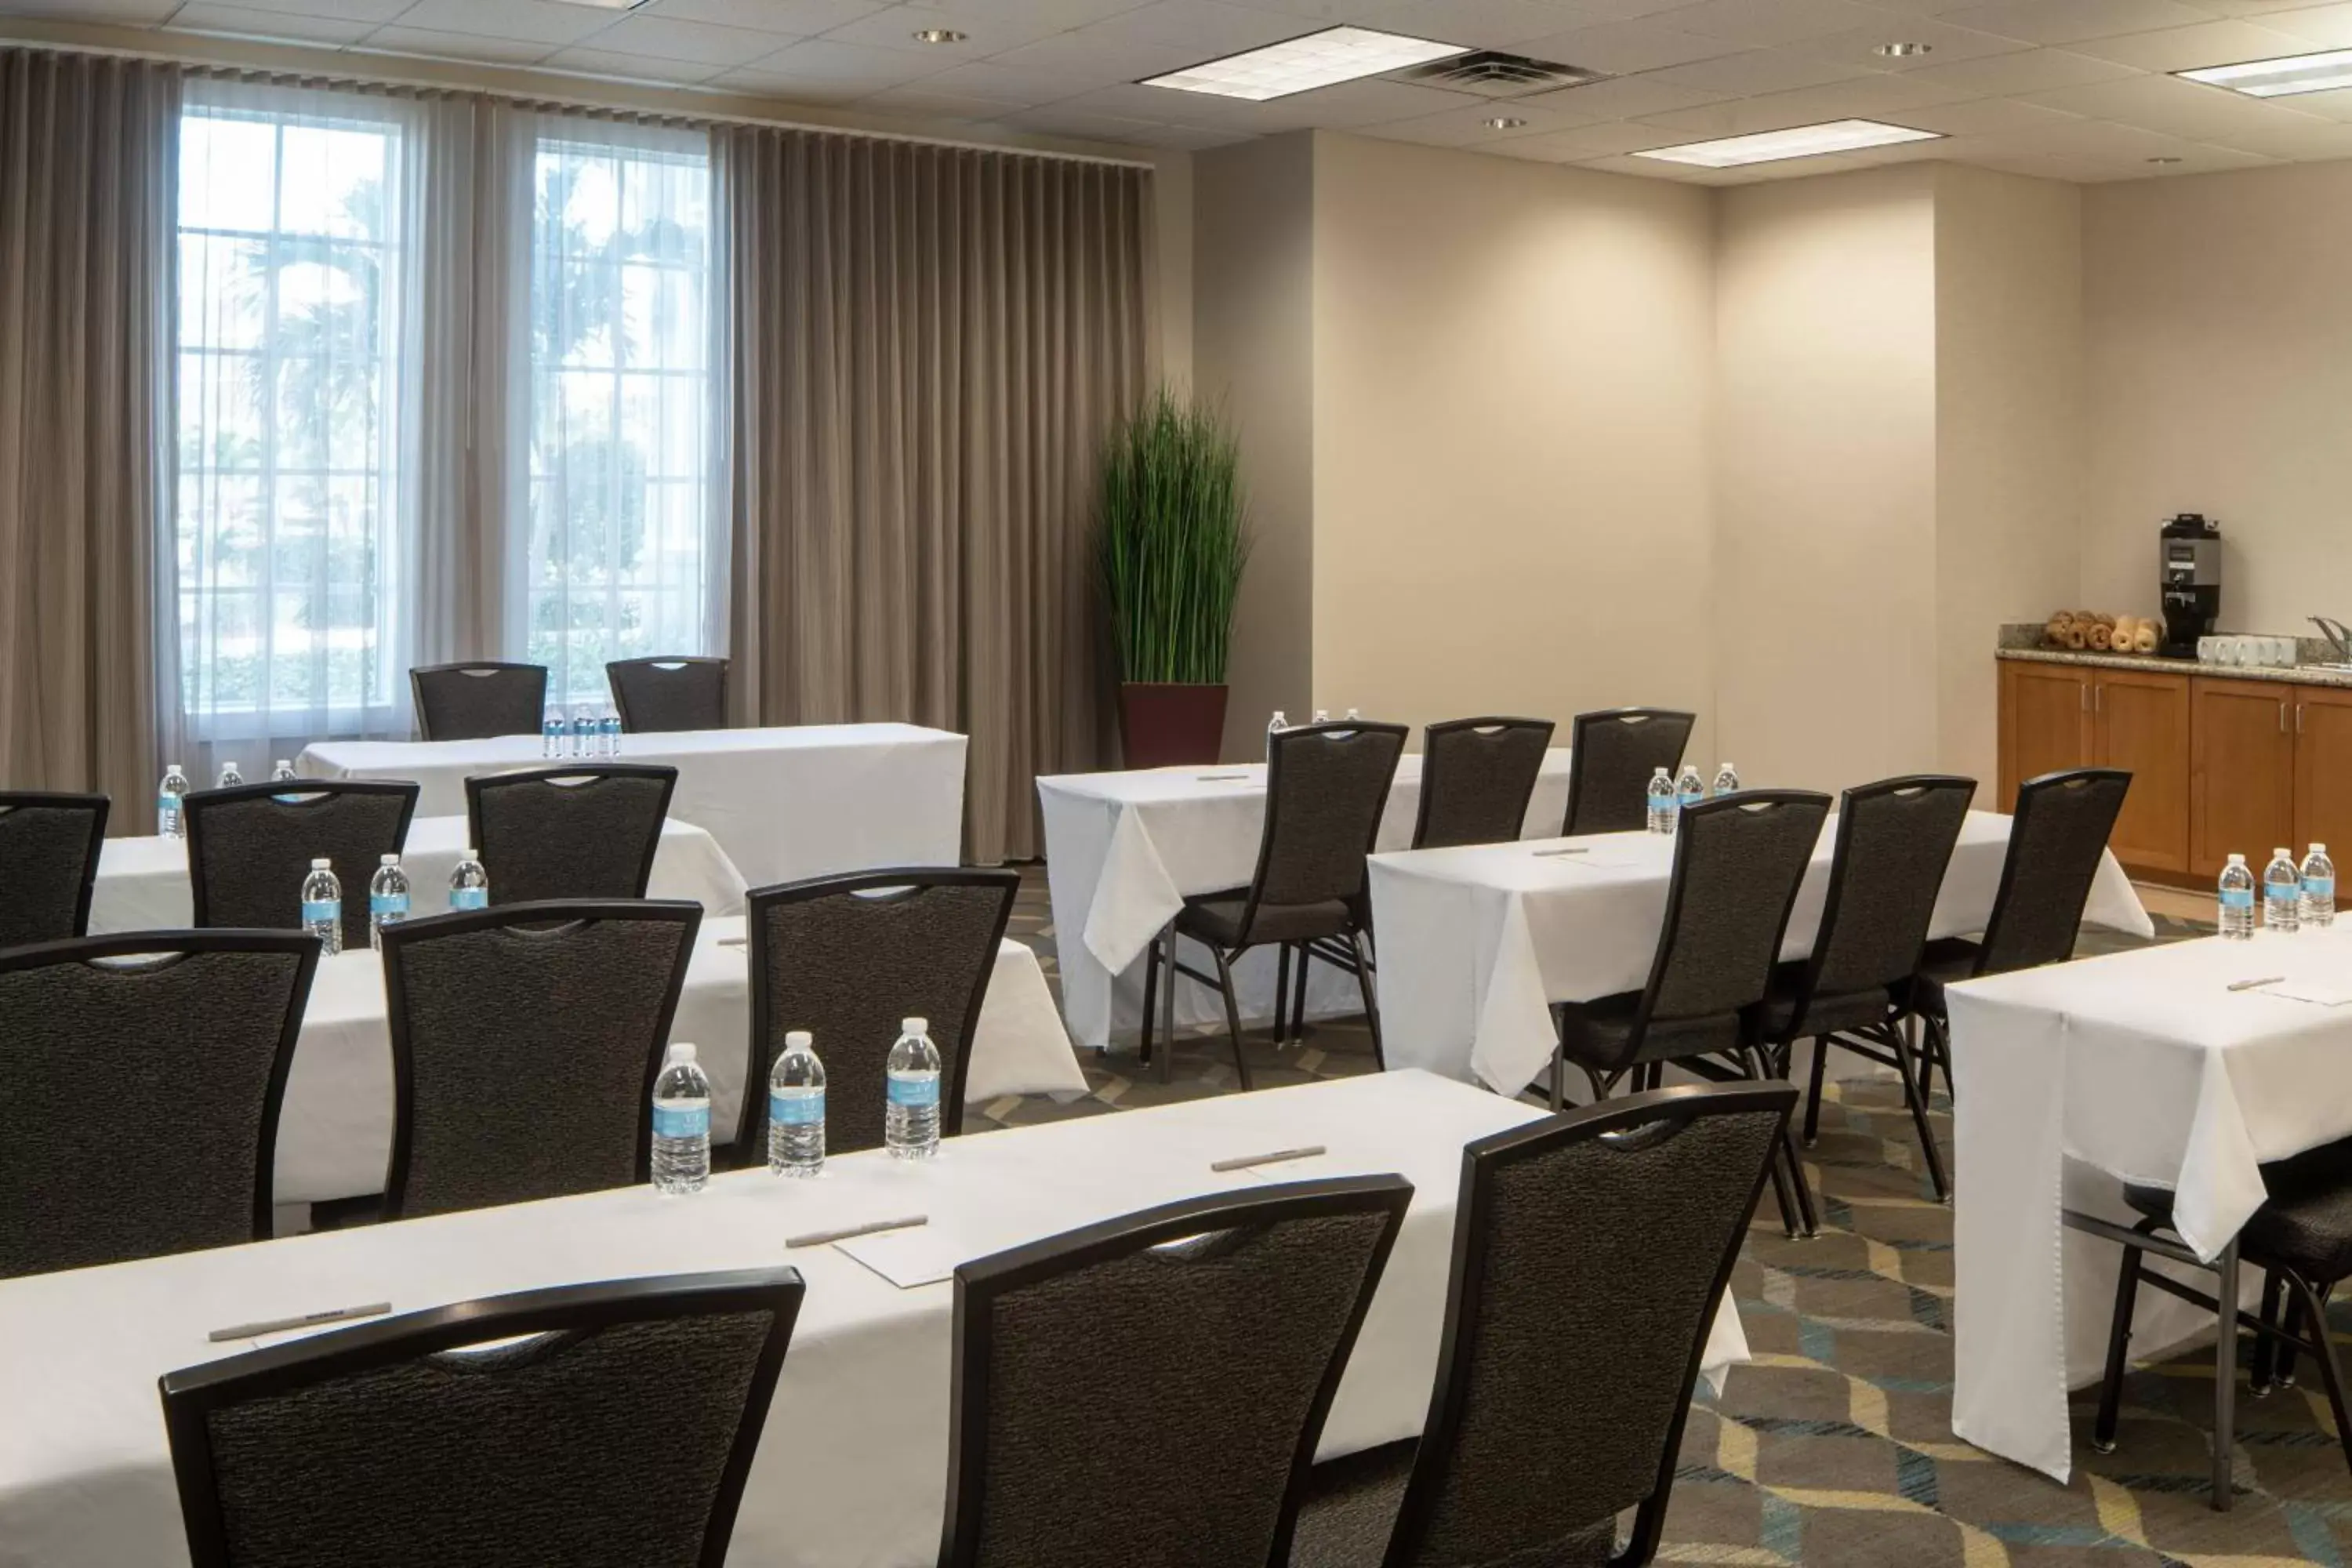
916, 1255
2324, 992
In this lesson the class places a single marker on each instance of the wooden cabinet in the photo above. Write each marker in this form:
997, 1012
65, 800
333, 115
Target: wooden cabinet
2240, 770
2045, 722
2323, 768
2140, 722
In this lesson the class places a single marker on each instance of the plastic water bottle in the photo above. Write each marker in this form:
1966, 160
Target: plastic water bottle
681, 1123
609, 729
1663, 805
469, 885
796, 1110
551, 735
1322, 715
168, 796
322, 906
2319, 888
229, 776
1689, 789
1726, 780
911, 1122
2281, 891
583, 734
2237, 916
1353, 715
282, 772
387, 898
1273, 726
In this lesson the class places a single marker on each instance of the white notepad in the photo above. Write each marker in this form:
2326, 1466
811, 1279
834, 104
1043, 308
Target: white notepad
2323, 993
921, 1255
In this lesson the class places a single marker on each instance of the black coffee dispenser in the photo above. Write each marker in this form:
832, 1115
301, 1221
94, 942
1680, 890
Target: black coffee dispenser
2189, 581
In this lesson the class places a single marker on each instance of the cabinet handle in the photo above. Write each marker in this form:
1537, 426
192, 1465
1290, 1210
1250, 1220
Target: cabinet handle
2086, 697
2298, 718
2098, 699
2282, 718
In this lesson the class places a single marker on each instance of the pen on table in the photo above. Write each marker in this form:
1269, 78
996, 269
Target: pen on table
2250, 984
1220, 778
819, 1237
732, 940
1570, 849
1247, 1161
304, 1321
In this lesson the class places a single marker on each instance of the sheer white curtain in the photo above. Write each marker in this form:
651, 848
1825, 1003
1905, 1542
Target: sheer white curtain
615, 542
297, 524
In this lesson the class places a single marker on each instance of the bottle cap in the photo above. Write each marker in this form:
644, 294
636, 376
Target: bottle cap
680, 1051
2319, 849
171, 767
285, 762
2237, 859
798, 1039
388, 861
2281, 853
472, 853
321, 865
915, 1026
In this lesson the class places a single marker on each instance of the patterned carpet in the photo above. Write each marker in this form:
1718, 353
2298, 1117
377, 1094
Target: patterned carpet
1834, 1446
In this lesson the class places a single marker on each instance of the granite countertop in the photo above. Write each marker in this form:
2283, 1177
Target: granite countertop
2299, 674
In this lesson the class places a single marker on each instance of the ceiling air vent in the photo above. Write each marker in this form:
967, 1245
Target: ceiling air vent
1491, 74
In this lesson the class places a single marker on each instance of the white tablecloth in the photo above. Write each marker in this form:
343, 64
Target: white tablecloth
334, 1134
852, 1468
2141, 1065
803, 801
1124, 850
1476, 943
143, 883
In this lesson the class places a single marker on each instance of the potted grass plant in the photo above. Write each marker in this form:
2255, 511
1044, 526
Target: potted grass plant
1170, 543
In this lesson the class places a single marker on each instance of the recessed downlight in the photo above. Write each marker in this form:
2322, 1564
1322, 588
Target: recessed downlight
1798, 142
1902, 51
1302, 64
1504, 123
940, 35
2280, 77
2166, 159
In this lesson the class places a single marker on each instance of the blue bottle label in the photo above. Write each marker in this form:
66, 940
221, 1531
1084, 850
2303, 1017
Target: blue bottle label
321, 912
797, 1109
915, 1093
681, 1122
388, 905
2237, 897
1691, 797
2320, 887
469, 898
167, 803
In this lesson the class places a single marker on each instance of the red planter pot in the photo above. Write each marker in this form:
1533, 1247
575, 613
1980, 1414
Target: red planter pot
1164, 724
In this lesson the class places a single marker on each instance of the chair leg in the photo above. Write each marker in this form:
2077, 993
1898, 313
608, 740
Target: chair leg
1806, 1210
1559, 1087
1371, 1002
2283, 1371
1298, 997
2225, 1380
2259, 1377
2111, 1387
2331, 1372
1233, 1015
1813, 1090
1168, 1014
1282, 993
1916, 1098
1150, 994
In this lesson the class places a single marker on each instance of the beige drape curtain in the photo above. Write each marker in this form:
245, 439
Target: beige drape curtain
88, 184
930, 344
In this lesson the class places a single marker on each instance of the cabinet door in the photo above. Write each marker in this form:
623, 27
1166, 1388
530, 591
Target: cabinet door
2323, 768
2241, 772
2045, 724
2140, 722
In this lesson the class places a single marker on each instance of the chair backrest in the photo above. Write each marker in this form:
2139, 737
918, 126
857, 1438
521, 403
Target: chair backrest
1613, 755
1894, 839
1325, 787
1590, 1254
616, 1431
475, 700
49, 863
848, 958
586, 831
669, 694
525, 1041
1151, 1389
139, 1081
1738, 862
250, 847
1476, 778
2056, 838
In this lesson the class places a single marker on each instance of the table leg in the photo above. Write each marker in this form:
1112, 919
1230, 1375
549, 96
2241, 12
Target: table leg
2225, 1378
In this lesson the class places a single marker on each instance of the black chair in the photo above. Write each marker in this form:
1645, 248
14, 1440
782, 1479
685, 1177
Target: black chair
49, 846
670, 693
1150, 1390
1476, 778
525, 1041
616, 1431
139, 1081
2056, 838
582, 831
250, 847
1325, 787
479, 698
1591, 1253
1894, 839
1738, 862
1613, 755
847, 958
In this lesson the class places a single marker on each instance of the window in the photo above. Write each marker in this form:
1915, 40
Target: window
621, 547
287, 532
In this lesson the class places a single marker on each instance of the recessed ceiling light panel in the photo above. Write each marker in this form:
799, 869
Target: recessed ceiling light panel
1802, 142
2280, 78
940, 35
1901, 51
1299, 65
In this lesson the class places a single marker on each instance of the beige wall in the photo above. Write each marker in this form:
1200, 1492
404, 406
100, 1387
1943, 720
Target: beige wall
2218, 327
2009, 435
1510, 389
1825, 497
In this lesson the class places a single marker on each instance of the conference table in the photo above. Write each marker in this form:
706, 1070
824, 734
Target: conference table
851, 1466
1476, 943
334, 1132
787, 802
143, 883
2147, 1067
1124, 850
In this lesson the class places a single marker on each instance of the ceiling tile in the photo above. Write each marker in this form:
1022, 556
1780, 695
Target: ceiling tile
993, 80
137, 13
791, 18
1090, 57
1768, 22
235, 22
2184, 48
1982, 116
1207, 28
1622, 49
2064, 21
668, 39
1582, 141
2169, 104
2327, 25
1624, 98
1873, 98
2030, 70
1923, 7
370, 11
2337, 105
439, 45
526, 21
1186, 138
1351, 104
895, 27
1466, 126
1060, 119
632, 67
1945, 43
1754, 71
828, 71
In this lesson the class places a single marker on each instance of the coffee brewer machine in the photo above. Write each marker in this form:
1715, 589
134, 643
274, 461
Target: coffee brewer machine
2189, 579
